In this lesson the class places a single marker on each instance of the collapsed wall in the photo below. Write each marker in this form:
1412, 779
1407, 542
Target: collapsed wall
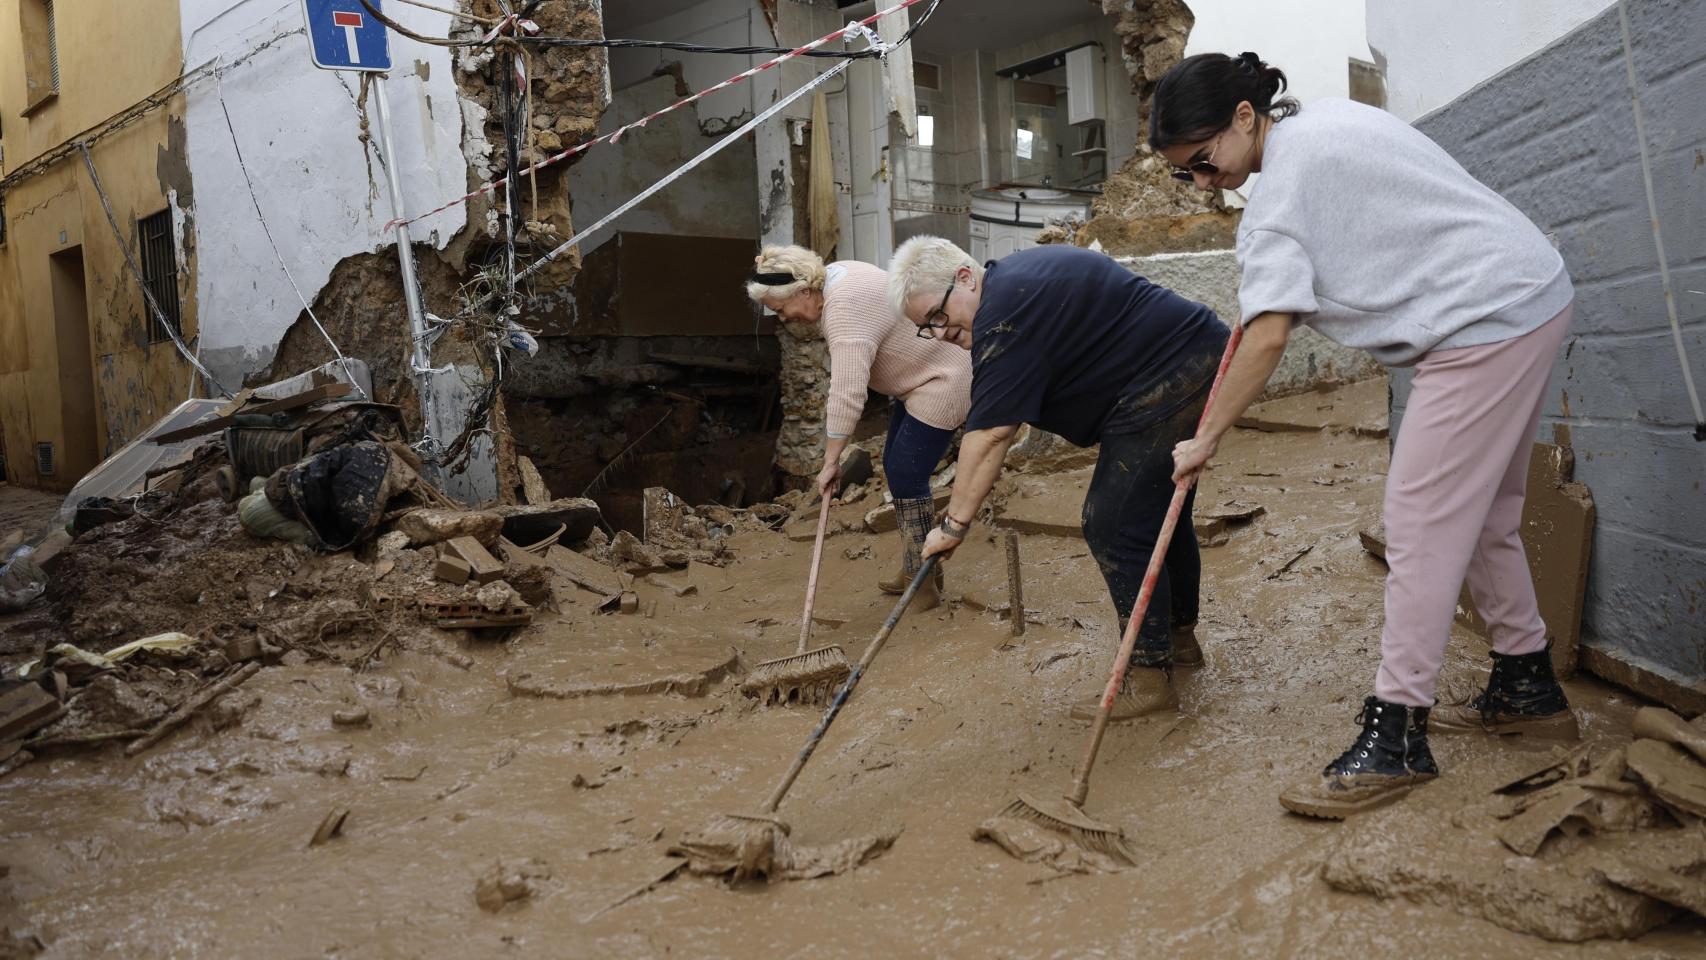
1142, 209
362, 307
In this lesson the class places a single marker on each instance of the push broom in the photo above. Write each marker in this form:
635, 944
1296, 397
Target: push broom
746, 844
806, 676
1066, 815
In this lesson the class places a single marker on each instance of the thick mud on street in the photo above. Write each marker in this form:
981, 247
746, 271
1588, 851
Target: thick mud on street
517, 798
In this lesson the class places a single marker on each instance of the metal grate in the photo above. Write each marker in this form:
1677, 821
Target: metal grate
44, 459
52, 44
160, 272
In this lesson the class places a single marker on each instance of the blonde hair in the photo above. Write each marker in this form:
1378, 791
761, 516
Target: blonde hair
925, 263
803, 265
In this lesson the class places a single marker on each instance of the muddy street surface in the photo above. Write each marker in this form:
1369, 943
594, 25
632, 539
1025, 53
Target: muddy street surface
566, 758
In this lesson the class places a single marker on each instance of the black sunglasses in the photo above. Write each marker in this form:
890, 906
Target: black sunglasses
1188, 174
930, 322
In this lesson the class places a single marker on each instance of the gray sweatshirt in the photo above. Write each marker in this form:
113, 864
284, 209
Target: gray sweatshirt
1372, 234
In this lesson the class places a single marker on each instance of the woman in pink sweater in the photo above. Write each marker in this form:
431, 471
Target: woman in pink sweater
870, 346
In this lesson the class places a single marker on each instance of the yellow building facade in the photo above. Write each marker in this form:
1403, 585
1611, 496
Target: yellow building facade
84, 367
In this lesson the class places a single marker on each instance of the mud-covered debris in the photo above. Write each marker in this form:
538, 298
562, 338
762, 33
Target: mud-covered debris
108, 702
584, 571
331, 826
1672, 774
482, 566
229, 710
1669, 886
350, 717
24, 708
636, 557
432, 525
1029, 841
452, 569
389, 545
710, 853
497, 596
510, 881
532, 582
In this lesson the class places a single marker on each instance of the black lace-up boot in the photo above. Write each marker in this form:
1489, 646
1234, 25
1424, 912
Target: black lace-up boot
1388, 759
1522, 696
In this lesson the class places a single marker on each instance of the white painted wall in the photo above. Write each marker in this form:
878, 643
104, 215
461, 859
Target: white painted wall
300, 130
1311, 40
1433, 52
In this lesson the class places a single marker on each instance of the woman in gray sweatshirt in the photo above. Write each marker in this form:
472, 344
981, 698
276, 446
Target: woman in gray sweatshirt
1363, 228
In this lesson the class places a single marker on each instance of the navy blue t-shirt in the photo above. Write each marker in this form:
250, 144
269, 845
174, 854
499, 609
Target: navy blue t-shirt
1069, 340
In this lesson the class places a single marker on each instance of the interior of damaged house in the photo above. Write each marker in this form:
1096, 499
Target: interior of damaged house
717, 478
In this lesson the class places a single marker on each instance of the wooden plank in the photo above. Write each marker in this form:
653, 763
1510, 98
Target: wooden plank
23, 708
292, 402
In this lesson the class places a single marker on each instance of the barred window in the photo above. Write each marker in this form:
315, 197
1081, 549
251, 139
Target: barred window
160, 273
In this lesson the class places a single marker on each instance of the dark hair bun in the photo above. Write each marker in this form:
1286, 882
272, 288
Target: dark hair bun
1269, 80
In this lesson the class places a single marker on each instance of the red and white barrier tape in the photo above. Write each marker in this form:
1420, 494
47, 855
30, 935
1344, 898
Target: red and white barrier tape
615, 135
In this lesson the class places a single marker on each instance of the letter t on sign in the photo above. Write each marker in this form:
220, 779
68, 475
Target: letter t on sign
351, 22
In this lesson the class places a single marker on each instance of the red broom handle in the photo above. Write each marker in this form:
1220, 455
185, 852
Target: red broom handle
1081, 786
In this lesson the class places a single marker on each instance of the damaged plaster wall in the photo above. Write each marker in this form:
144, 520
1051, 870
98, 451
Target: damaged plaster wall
712, 200
1555, 135
304, 134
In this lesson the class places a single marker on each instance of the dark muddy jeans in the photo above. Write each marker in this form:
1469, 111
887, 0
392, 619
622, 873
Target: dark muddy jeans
911, 453
1123, 512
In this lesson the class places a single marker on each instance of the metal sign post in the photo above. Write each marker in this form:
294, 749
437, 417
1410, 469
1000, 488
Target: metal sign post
343, 36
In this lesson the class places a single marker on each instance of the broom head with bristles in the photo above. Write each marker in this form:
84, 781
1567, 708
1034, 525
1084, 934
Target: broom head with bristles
741, 845
1066, 818
801, 679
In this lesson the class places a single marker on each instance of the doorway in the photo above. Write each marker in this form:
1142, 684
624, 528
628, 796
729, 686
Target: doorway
81, 449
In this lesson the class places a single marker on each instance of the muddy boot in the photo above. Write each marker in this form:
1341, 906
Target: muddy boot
915, 519
1388, 759
1145, 690
1183, 640
1522, 696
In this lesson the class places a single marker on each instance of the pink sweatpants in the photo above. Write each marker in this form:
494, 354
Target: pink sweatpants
1454, 505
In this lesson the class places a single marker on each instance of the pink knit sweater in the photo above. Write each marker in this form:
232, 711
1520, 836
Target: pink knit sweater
870, 346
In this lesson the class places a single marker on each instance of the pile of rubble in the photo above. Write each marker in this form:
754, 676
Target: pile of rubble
1600, 842
306, 531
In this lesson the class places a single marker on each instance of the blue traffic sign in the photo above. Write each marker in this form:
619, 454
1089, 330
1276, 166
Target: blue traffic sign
342, 35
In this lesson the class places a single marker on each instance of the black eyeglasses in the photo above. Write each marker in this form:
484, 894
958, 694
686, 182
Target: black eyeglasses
1205, 167
930, 322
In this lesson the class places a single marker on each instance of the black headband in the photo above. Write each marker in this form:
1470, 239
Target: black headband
774, 279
